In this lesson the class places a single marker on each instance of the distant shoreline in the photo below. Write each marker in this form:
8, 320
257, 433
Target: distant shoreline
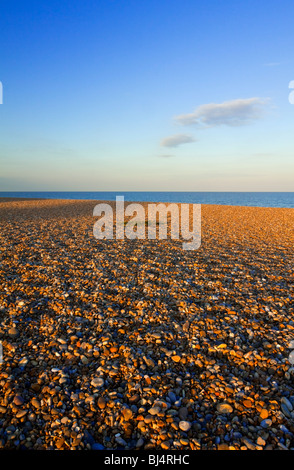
231, 198
19, 199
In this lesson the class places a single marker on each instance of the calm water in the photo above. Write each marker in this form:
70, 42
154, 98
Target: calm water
257, 199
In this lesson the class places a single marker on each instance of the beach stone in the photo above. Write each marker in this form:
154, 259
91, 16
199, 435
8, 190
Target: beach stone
101, 403
247, 403
149, 361
148, 419
154, 410
223, 447
291, 357
156, 335
21, 413
60, 442
184, 425
183, 413
97, 446
97, 382
35, 403
84, 359
266, 423
260, 441
140, 442
287, 403
263, 413
224, 408
184, 442
285, 410
23, 362
176, 358
120, 441
165, 445
13, 332
172, 397
127, 414
76, 441
248, 443
18, 400
66, 420
134, 398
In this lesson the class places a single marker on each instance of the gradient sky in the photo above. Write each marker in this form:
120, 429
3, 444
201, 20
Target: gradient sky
170, 95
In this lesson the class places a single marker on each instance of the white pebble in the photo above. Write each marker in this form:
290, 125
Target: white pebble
184, 425
97, 382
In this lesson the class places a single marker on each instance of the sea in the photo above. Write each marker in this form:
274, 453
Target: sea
254, 199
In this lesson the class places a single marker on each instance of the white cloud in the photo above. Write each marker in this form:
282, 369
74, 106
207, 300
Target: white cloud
230, 113
176, 140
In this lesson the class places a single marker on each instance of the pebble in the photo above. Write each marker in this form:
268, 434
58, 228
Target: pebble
263, 413
97, 446
260, 441
184, 425
183, 413
127, 414
97, 382
266, 423
287, 403
184, 442
224, 408
140, 442
285, 410
13, 332
141, 344
21, 413
248, 443
247, 403
165, 445
101, 403
172, 397
35, 402
23, 362
59, 443
291, 357
176, 358
18, 400
121, 441
154, 410
84, 359
222, 446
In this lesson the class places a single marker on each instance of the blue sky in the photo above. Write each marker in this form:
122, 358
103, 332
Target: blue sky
175, 95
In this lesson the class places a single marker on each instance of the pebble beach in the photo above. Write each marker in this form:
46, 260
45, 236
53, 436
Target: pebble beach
139, 344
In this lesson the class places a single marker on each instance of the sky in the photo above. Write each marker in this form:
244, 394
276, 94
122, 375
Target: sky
157, 95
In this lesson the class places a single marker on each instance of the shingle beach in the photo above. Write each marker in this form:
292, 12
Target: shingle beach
139, 344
